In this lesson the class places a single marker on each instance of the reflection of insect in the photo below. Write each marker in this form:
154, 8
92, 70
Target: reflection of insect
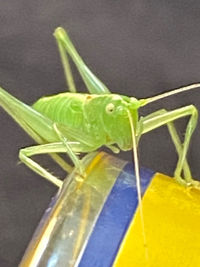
73, 122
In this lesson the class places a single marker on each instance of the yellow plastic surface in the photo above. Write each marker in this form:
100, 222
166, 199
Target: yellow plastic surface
172, 228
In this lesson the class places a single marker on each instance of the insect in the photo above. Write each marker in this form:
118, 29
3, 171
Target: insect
72, 122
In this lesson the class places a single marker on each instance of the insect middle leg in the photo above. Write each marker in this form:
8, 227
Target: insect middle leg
163, 117
26, 153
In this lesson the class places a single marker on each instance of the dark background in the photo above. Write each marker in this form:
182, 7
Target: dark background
138, 48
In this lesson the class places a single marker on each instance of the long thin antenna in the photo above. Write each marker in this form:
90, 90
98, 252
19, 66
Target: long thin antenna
137, 176
172, 92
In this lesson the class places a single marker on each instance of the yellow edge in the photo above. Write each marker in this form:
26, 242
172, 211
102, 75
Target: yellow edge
172, 228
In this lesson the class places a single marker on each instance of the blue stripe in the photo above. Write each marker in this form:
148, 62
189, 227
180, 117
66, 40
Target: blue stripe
114, 219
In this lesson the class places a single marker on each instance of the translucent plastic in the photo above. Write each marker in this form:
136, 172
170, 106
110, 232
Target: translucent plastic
66, 226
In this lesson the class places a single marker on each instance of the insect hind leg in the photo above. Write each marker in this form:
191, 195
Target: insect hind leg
63, 164
93, 84
66, 65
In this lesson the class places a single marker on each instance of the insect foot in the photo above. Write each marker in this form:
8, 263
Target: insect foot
80, 173
192, 183
80, 177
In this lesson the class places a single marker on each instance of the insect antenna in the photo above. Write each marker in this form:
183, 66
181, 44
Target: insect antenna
169, 93
137, 176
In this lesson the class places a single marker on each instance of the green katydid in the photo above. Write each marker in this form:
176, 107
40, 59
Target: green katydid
74, 123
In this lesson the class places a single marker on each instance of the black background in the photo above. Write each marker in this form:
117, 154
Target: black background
138, 48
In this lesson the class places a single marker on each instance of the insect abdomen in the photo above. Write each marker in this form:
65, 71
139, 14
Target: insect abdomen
65, 108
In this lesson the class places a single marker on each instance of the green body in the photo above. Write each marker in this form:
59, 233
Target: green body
73, 122
87, 114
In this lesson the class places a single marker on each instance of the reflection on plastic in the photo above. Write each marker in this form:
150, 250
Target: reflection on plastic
65, 228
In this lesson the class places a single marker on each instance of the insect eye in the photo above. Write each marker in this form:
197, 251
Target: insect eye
110, 108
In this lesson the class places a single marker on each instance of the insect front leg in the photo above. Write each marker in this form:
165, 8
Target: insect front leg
164, 117
68, 149
173, 134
